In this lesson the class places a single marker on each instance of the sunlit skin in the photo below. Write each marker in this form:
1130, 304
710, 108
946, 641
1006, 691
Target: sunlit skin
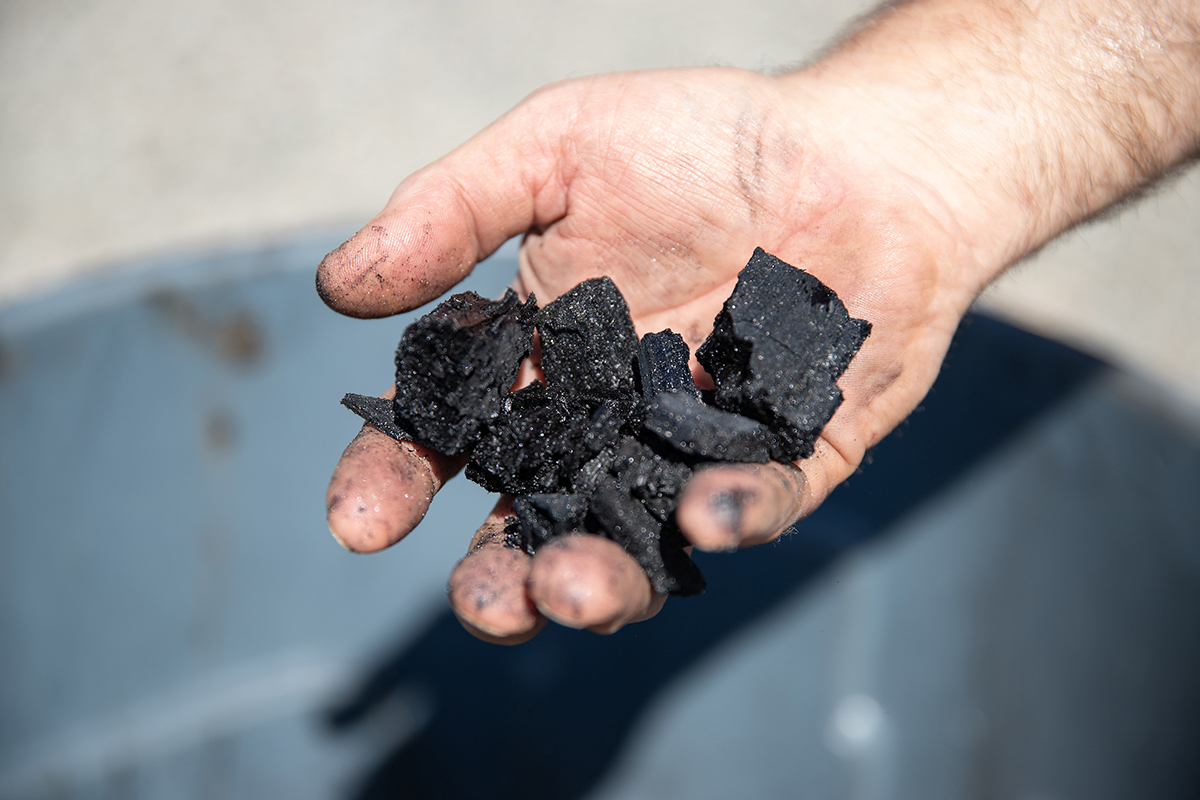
887, 170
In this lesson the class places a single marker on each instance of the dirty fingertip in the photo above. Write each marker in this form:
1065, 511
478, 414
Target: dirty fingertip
726, 507
379, 491
584, 581
489, 596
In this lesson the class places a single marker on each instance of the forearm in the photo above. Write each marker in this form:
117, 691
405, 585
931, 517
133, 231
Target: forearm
1024, 118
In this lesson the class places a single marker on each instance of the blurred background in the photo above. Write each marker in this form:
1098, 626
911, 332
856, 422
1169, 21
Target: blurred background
1021, 621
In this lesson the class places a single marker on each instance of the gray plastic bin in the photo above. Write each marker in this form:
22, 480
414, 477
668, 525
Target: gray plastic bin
1004, 604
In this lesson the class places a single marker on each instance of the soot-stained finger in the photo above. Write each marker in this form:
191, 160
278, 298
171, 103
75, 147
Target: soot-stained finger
586, 581
737, 505
381, 489
489, 587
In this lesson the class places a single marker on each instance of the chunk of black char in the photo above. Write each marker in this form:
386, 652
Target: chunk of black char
653, 481
648, 476
588, 341
683, 422
662, 365
378, 411
658, 548
777, 349
455, 365
531, 445
541, 517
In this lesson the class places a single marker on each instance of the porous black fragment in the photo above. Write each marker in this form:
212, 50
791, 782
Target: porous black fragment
588, 341
681, 421
529, 446
646, 474
661, 508
455, 365
378, 411
596, 446
625, 520
685, 578
777, 349
662, 365
541, 517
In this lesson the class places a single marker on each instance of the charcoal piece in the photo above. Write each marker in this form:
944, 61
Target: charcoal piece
625, 520
378, 411
588, 341
645, 474
777, 349
513, 537
677, 564
455, 365
662, 365
541, 517
600, 437
527, 448
583, 479
682, 421
661, 508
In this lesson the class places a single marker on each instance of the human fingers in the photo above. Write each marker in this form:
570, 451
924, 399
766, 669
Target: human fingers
489, 587
443, 219
585, 581
381, 489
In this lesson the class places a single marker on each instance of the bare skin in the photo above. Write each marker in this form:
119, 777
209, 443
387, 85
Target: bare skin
942, 142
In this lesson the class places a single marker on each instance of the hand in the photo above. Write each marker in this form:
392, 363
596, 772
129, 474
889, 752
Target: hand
667, 181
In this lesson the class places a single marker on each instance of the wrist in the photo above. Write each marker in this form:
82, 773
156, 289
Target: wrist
1021, 122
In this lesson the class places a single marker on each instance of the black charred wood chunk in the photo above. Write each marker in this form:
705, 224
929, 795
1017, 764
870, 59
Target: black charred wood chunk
686, 578
645, 474
661, 508
528, 447
662, 365
541, 517
588, 340
455, 365
596, 445
681, 421
777, 349
378, 411
626, 521
584, 478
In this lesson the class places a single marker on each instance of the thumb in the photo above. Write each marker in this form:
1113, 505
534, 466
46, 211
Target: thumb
445, 218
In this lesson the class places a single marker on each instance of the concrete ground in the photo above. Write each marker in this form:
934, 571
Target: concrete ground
134, 128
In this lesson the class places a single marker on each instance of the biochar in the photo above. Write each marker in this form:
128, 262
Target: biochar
607, 443
776, 351
455, 365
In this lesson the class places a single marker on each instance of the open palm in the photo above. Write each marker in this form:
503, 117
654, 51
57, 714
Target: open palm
666, 182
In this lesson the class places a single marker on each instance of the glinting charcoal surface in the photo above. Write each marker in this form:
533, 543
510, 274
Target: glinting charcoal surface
606, 445
588, 340
777, 349
662, 365
455, 365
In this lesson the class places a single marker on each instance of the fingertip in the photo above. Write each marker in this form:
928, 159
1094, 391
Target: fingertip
415, 250
585, 581
379, 491
488, 593
712, 516
506, 640
730, 506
